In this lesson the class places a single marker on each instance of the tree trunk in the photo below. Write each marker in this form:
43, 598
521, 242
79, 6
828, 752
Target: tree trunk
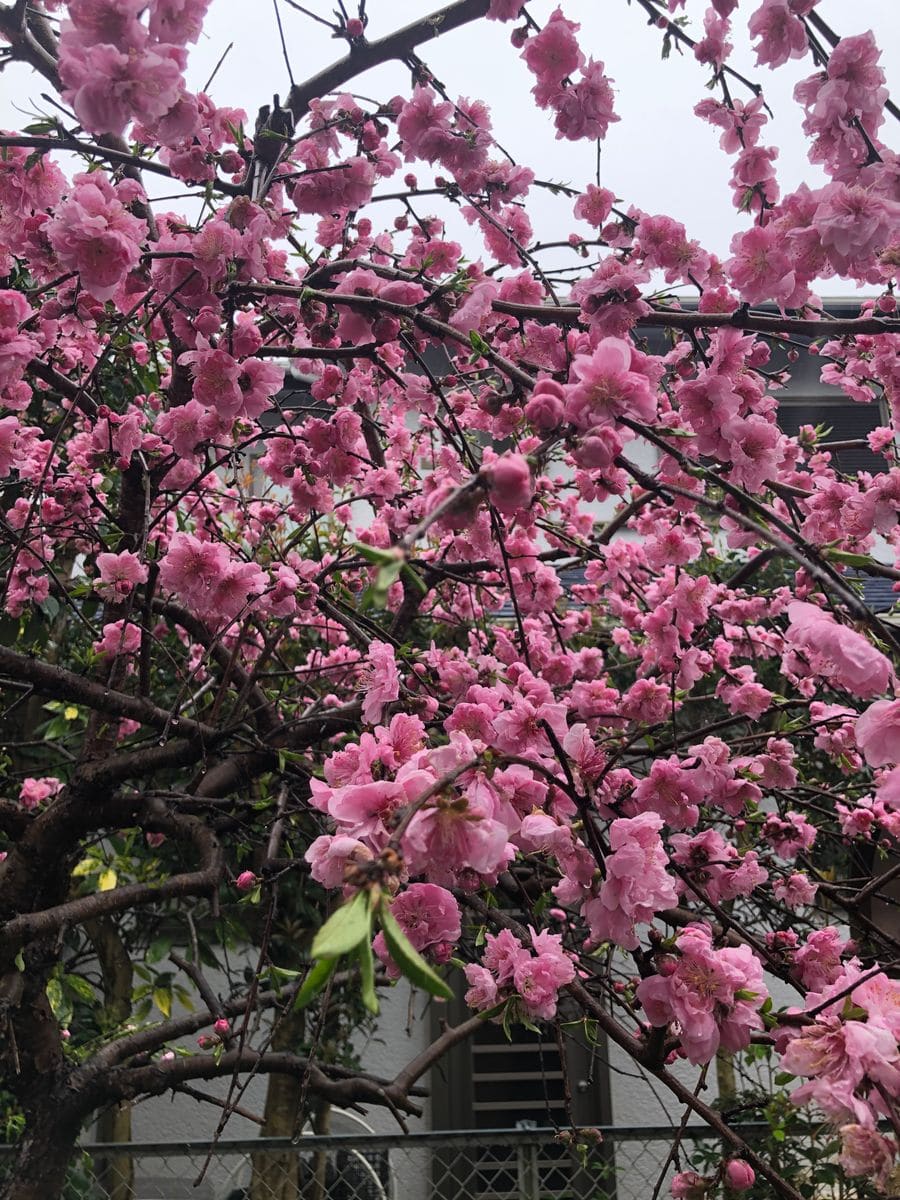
276, 1176
115, 1173
43, 1156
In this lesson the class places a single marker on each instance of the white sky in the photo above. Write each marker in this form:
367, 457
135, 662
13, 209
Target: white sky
659, 156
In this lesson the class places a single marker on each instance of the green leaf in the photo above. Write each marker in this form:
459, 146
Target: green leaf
416, 580
162, 998
375, 554
478, 343
317, 977
344, 929
408, 959
79, 987
387, 576
367, 975
158, 950
847, 557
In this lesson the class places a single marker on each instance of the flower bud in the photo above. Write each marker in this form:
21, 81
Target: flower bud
509, 483
688, 1185
245, 881
739, 1175
544, 411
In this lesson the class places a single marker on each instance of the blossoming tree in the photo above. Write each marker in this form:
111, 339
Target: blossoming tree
658, 795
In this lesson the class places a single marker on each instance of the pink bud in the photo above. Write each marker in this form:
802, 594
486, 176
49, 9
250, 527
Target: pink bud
544, 411
509, 481
222, 1026
739, 1175
666, 965
245, 881
65, 1034
355, 28
688, 1185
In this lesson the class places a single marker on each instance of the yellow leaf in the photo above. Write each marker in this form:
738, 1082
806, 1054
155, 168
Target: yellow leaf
85, 867
162, 998
107, 880
70, 712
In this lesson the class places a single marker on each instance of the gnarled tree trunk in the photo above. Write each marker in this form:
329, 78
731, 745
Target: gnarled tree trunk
276, 1176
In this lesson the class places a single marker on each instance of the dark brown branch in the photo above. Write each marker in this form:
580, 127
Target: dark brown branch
61, 684
23, 929
158, 1077
110, 154
365, 55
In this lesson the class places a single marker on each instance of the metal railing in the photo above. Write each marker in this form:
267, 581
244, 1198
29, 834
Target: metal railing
609, 1163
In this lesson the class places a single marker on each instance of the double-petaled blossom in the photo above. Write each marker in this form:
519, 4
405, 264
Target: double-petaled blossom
94, 234
714, 995
840, 654
636, 885
429, 916
381, 681
532, 975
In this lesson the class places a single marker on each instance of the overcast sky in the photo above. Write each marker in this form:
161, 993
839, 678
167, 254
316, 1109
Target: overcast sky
659, 156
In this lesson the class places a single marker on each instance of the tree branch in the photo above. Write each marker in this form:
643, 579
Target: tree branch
23, 929
61, 684
365, 55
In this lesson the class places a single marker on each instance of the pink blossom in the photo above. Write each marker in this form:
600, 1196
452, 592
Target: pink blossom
594, 205
119, 573
837, 652
429, 915
538, 978
483, 992
430, 918
608, 387
35, 791
713, 994
761, 269
330, 857
713, 48
866, 1152
636, 885
450, 837
204, 576
177, 21
795, 890
246, 881
119, 638
782, 34
504, 10
853, 225
878, 733
381, 682
93, 233
585, 110
551, 55
108, 87
837, 1056
672, 792
817, 963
